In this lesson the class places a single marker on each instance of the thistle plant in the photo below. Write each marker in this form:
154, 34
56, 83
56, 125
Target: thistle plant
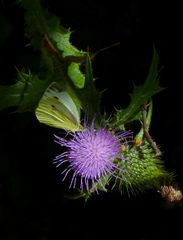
102, 154
91, 155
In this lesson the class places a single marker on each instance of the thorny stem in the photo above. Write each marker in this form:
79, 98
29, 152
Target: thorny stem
146, 131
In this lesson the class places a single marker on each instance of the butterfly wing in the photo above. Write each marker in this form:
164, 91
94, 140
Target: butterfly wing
57, 109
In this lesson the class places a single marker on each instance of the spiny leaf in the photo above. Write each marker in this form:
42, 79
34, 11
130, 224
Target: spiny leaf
24, 94
10, 95
53, 40
45, 28
62, 41
89, 95
141, 94
76, 75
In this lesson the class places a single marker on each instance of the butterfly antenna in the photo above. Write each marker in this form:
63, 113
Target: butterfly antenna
103, 49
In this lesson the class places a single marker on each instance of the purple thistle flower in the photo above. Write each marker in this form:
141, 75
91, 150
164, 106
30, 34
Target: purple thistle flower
90, 154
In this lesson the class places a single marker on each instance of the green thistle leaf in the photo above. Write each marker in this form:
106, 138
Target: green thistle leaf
24, 94
46, 32
60, 60
76, 75
140, 95
90, 97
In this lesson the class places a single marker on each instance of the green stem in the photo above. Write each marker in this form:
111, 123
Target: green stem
146, 130
140, 134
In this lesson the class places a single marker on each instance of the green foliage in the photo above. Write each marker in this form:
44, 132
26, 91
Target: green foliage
139, 136
141, 94
25, 93
89, 96
61, 62
46, 33
76, 75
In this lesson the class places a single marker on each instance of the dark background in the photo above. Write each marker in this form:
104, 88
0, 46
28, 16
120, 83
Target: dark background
32, 197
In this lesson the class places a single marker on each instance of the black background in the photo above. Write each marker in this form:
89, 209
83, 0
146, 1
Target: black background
32, 197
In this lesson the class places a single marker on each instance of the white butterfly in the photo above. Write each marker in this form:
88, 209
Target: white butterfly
57, 109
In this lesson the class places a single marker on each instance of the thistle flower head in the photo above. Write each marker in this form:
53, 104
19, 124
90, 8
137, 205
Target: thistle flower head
90, 154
